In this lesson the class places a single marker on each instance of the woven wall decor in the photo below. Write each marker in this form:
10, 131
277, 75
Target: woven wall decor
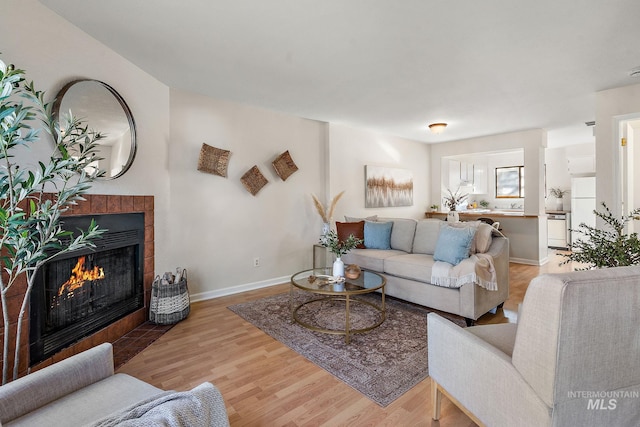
213, 160
284, 165
253, 180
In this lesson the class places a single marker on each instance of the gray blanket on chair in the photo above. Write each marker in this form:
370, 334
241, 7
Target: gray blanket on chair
201, 406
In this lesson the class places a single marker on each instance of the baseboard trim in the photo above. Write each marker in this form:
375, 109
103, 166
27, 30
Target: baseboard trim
543, 261
202, 296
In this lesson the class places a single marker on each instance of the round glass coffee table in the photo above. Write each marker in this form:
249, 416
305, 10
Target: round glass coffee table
320, 282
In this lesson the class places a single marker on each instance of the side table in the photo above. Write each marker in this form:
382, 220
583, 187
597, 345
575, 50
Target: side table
322, 257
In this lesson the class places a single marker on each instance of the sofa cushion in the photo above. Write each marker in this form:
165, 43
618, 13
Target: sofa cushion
410, 266
402, 233
453, 244
377, 235
501, 336
483, 235
356, 219
346, 229
371, 259
90, 403
483, 238
427, 231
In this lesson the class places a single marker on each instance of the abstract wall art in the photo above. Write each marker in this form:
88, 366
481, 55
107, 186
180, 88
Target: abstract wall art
388, 187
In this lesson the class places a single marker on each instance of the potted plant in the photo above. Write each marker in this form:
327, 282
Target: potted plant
452, 201
484, 203
434, 207
31, 228
558, 194
610, 247
338, 248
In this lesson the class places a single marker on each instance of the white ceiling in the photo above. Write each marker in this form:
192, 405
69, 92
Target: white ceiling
483, 66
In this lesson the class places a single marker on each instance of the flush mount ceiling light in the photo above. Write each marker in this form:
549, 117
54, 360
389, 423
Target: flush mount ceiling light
437, 127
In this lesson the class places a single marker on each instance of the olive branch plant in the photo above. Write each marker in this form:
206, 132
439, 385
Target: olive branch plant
610, 247
33, 196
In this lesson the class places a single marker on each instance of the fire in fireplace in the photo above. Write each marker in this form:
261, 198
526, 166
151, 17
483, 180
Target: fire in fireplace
79, 293
79, 276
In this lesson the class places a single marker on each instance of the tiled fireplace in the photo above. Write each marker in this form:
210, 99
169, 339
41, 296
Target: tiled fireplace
79, 293
89, 297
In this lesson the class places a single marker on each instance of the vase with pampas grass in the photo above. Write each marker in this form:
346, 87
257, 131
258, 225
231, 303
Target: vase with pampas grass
326, 214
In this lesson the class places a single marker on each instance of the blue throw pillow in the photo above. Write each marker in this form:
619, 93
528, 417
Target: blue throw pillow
377, 235
453, 244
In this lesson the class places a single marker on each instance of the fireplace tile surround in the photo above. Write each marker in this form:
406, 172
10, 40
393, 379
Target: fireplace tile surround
94, 204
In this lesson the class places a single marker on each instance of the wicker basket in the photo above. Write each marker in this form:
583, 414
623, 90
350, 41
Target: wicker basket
169, 301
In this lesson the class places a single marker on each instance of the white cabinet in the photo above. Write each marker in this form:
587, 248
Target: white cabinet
466, 173
454, 175
581, 164
470, 177
480, 179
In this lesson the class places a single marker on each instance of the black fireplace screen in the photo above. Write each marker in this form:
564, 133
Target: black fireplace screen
80, 287
77, 295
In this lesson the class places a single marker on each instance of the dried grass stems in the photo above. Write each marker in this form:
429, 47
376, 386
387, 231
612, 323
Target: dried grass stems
326, 214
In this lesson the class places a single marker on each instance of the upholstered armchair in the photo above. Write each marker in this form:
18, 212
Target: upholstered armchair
573, 358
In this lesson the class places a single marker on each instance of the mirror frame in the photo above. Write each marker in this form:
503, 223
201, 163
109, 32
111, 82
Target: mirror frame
132, 125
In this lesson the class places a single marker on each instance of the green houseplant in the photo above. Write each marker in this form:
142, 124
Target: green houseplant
34, 195
610, 247
338, 248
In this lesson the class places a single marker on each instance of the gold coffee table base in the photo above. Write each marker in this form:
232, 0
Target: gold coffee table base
318, 281
347, 332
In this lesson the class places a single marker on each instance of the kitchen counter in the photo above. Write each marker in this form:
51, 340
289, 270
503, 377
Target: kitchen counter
487, 214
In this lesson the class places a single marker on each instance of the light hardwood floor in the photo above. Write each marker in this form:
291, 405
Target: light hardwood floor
264, 383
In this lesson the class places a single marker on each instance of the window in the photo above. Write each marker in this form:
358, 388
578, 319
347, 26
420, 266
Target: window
510, 182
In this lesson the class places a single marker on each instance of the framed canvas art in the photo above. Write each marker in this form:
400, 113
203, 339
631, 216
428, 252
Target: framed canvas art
388, 187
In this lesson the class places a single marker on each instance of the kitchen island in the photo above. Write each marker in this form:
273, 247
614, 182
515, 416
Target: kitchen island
527, 233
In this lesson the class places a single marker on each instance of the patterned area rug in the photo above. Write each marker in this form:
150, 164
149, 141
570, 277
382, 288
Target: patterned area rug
382, 364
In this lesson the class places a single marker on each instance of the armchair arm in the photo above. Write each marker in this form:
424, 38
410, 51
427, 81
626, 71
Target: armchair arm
35, 390
481, 378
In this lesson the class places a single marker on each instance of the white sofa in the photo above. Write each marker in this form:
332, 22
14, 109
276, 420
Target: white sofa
573, 358
83, 389
407, 267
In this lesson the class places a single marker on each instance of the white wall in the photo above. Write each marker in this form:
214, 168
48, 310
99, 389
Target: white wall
351, 149
54, 52
218, 228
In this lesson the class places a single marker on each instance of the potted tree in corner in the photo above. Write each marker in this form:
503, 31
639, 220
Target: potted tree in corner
34, 195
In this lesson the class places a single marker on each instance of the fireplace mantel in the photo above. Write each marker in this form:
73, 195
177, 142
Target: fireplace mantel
95, 204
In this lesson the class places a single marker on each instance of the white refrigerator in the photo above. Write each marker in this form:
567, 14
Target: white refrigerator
583, 203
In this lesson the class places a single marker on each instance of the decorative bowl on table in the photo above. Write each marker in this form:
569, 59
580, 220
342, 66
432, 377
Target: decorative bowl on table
352, 271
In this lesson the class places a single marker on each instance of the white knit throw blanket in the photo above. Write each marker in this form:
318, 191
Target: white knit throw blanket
478, 269
200, 407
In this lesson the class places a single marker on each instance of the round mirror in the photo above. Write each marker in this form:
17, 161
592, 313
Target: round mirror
102, 109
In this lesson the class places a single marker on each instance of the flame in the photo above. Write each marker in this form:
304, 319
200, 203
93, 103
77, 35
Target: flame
79, 275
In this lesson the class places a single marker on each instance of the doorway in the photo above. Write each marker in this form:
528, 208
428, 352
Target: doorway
629, 155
